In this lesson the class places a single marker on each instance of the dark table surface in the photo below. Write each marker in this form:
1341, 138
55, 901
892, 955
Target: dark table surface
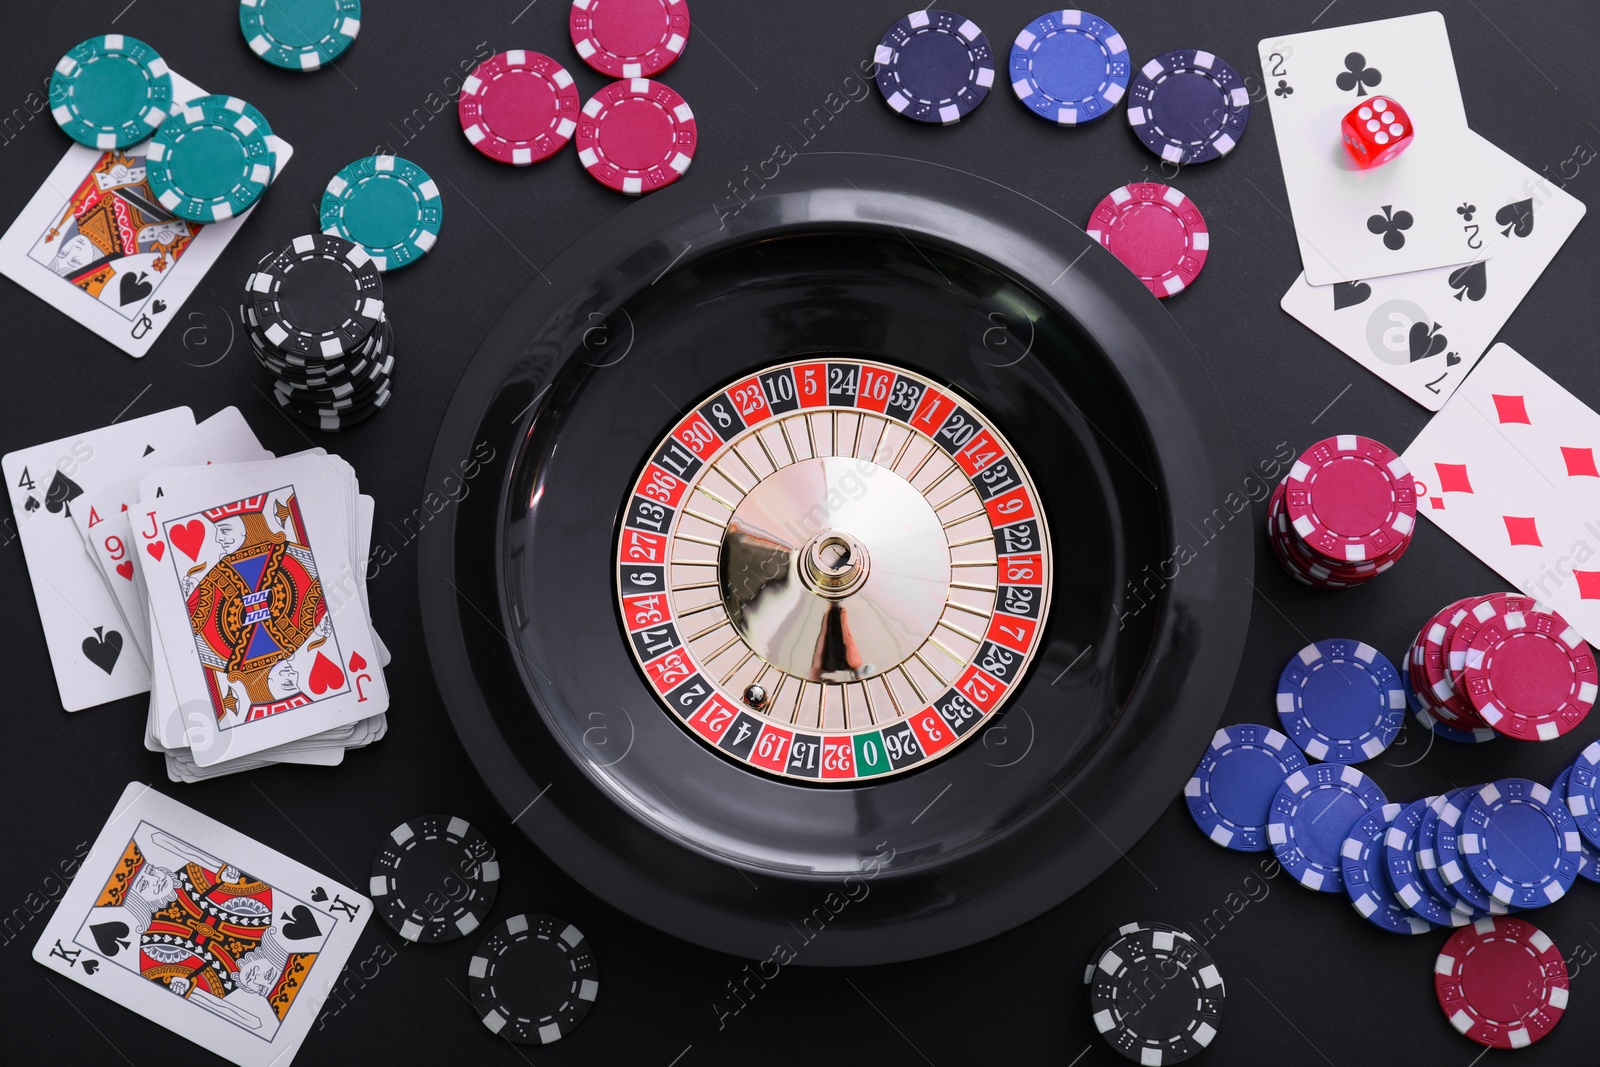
1308, 980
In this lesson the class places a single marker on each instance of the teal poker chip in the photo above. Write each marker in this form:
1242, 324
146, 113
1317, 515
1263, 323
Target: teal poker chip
211, 160
387, 205
299, 34
111, 92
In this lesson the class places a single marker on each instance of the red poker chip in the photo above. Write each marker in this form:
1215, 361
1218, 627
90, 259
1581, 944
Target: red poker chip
1529, 674
1156, 232
1429, 677
1501, 982
1311, 567
1351, 499
629, 38
636, 136
519, 107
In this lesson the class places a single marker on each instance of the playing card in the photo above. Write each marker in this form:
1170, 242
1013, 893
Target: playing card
1423, 332
83, 626
254, 590
200, 929
95, 243
1400, 216
1508, 469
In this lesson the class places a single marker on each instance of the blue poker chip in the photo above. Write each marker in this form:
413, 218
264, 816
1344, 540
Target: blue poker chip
1069, 67
1588, 856
1366, 877
1447, 853
1188, 106
1341, 701
1230, 795
1312, 814
1426, 851
1399, 856
934, 66
1583, 792
1521, 843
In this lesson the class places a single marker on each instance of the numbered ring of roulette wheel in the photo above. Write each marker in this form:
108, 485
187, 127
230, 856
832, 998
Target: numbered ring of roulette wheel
778, 551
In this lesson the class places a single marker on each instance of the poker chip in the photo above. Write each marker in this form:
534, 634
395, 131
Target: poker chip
1520, 843
1429, 862
1447, 853
339, 421
1439, 728
1188, 106
1341, 701
1582, 795
1110, 940
1366, 875
388, 206
1312, 814
322, 295
434, 879
1399, 857
1069, 67
111, 91
1468, 622
519, 107
299, 34
1501, 982
345, 392
1528, 673
1351, 499
1156, 232
629, 38
1156, 995
210, 160
1588, 855
533, 979
1429, 673
636, 136
1230, 794
934, 66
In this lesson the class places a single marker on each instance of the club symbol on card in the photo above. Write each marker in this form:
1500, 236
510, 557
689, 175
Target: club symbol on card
1357, 75
1391, 225
1283, 88
1349, 294
103, 648
62, 491
1470, 281
1426, 340
1516, 217
135, 287
1466, 211
300, 923
31, 504
109, 936
189, 537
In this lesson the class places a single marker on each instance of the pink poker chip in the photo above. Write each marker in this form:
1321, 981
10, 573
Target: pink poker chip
1156, 232
519, 107
636, 136
629, 38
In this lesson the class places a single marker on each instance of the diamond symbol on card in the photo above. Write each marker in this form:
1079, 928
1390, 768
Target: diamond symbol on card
1453, 478
1522, 530
1512, 408
1588, 584
1580, 462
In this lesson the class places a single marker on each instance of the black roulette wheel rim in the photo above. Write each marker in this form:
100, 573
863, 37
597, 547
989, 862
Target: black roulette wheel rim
877, 258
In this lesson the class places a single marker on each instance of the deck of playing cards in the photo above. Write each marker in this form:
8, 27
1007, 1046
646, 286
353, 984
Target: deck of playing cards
229, 585
1411, 267
200, 929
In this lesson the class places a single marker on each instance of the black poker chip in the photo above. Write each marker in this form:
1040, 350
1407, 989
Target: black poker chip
319, 296
1155, 994
435, 879
534, 979
346, 391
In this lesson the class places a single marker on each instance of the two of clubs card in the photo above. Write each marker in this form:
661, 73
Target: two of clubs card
184, 561
204, 931
1411, 267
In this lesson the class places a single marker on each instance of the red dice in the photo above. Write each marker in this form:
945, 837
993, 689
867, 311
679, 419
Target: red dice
1376, 131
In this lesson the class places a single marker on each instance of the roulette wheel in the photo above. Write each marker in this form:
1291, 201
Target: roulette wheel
849, 558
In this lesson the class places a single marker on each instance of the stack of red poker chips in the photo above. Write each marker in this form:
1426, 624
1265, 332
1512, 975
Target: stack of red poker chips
1344, 515
1504, 662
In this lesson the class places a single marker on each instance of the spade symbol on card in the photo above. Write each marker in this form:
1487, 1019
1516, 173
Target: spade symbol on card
1357, 75
90, 966
1426, 341
300, 923
148, 449
103, 648
1349, 294
109, 936
1516, 217
1470, 281
134, 288
319, 894
62, 491
157, 307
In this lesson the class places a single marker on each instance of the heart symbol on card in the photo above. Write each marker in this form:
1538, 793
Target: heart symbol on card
357, 663
189, 537
301, 923
109, 936
157, 549
319, 894
325, 675
125, 568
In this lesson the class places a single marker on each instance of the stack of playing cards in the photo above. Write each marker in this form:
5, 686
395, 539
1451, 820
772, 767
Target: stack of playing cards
1412, 267
227, 584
